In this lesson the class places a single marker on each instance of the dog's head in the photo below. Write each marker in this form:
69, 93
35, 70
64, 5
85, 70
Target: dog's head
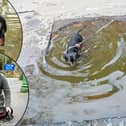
71, 58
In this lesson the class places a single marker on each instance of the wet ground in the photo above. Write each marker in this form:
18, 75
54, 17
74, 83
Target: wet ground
87, 91
13, 39
18, 101
99, 76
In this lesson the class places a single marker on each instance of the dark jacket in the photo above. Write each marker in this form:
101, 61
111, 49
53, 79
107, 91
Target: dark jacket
5, 95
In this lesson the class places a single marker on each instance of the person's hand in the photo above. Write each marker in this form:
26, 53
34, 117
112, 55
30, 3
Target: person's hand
8, 109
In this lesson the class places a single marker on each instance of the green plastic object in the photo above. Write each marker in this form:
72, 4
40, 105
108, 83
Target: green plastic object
24, 86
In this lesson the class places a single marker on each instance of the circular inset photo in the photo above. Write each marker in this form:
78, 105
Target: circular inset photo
13, 92
10, 30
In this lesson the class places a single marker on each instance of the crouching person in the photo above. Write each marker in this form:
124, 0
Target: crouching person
6, 111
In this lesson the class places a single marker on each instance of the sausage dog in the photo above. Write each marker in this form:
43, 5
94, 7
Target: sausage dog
72, 54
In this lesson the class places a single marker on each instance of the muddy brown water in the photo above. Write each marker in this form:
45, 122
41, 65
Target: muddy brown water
103, 58
13, 40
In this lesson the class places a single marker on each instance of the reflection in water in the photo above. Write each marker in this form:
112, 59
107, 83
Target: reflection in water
14, 34
102, 63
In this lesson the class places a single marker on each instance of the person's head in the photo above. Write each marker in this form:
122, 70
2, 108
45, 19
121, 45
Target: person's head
3, 29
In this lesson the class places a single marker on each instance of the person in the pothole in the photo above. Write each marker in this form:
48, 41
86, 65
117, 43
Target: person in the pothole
6, 112
72, 53
3, 29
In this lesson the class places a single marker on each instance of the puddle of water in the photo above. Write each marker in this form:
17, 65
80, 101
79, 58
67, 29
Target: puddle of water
102, 62
13, 40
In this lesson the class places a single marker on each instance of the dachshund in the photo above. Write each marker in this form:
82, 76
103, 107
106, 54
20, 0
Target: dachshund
72, 53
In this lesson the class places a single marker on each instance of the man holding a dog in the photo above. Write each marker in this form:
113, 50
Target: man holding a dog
5, 96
